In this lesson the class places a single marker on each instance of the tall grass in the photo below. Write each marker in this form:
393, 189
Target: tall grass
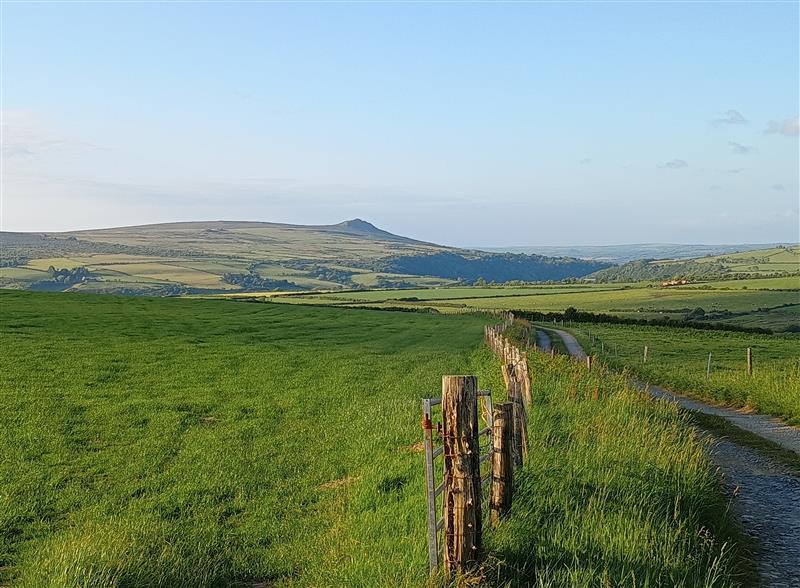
618, 491
152, 442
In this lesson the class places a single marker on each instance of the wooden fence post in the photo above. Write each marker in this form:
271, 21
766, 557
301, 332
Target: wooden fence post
520, 431
461, 502
708, 366
749, 361
644, 360
526, 380
502, 478
589, 362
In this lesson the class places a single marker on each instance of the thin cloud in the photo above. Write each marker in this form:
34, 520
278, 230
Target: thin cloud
789, 127
585, 161
731, 117
25, 136
736, 170
740, 149
675, 164
778, 187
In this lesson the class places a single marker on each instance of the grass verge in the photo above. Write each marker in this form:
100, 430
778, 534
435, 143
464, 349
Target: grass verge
618, 491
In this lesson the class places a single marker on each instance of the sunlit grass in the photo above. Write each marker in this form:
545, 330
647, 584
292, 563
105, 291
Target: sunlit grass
153, 442
678, 359
162, 442
618, 491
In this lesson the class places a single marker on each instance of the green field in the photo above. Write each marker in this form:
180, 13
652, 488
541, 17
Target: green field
181, 442
678, 359
454, 293
770, 307
176, 442
762, 261
636, 300
783, 283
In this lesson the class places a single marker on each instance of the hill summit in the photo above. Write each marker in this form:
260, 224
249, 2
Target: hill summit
358, 226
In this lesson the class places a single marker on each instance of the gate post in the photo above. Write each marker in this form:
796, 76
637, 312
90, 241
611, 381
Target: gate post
430, 485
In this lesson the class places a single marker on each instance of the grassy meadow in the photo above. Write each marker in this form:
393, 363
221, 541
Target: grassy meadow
151, 442
196, 443
617, 491
678, 359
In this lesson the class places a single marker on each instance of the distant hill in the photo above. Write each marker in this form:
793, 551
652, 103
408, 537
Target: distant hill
763, 263
230, 256
632, 252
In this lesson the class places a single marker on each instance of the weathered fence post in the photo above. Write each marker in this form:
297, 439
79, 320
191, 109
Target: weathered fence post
589, 362
749, 361
502, 478
644, 360
526, 380
708, 366
461, 502
520, 431
519, 435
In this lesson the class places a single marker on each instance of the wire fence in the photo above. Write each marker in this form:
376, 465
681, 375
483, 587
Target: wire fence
434, 448
479, 448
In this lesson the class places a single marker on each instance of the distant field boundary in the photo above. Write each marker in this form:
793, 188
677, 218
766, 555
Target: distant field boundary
579, 316
542, 316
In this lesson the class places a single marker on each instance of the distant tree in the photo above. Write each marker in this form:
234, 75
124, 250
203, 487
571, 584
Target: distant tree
696, 314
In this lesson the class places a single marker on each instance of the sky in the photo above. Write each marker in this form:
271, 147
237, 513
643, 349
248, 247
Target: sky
468, 124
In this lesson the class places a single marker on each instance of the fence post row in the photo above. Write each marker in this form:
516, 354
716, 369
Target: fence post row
518, 385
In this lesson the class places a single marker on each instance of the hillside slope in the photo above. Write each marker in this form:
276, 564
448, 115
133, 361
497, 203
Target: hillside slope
777, 261
221, 256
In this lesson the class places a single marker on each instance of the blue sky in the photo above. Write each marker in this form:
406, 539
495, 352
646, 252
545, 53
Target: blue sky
461, 123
